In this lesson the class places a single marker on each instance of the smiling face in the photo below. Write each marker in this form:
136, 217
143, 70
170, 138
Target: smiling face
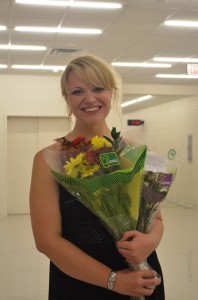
90, 104
89, 86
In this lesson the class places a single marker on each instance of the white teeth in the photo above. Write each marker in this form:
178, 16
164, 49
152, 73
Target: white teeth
91, 108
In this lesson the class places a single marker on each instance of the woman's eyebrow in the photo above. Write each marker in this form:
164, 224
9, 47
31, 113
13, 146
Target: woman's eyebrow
77, 87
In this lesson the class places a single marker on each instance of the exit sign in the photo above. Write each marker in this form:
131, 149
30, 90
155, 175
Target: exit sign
192, 69
135, 122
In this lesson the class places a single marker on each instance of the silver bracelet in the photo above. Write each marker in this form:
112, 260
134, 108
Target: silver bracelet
111, 280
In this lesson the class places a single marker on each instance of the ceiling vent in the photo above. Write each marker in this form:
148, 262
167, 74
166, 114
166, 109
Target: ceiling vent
64, 51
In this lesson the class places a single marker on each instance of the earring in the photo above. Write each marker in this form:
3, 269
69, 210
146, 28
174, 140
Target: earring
70, 113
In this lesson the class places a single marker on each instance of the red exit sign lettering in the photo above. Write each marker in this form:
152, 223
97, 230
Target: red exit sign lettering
135, 122
192, 69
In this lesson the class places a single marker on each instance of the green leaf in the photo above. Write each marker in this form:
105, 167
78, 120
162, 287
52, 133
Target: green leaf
115, 135
108, 139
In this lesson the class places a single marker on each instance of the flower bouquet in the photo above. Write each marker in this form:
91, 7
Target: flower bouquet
103, 176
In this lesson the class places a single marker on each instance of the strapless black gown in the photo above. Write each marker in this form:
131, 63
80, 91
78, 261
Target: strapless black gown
85, 230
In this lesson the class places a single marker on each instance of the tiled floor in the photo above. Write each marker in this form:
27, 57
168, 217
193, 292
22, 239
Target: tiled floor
24, 272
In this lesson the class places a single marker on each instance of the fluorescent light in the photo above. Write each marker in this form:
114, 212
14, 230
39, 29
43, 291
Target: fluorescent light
144, 98
87, 4
3, 66
38, 67
58, 30
177, 76
21, 47
2, 27
181, 23
176, 59
140, 65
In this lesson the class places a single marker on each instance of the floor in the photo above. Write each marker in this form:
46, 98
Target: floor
24, 271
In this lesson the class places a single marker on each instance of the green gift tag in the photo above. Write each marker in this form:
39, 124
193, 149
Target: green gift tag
109, 159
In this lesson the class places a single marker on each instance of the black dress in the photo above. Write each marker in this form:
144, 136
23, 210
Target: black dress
85, 230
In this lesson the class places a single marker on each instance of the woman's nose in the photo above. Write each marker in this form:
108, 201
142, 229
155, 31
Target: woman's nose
90, 96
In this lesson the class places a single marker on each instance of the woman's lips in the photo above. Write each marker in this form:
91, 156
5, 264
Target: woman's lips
91, 109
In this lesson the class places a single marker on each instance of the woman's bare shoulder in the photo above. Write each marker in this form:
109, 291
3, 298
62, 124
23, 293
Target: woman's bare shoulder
42, 158
53, 147
43, 164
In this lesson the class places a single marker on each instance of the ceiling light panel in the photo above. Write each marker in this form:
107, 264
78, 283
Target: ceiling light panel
140, 65
3, 66
38, 67
176, 59
85, 4
2, 27
58, 30
22, 47
181, 23
177, 76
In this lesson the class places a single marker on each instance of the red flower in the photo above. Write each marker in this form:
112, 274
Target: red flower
91, 157
78, 140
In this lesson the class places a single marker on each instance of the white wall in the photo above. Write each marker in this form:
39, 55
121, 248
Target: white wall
22, 95
167, 126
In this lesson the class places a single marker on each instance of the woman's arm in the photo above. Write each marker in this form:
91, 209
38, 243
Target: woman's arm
136, 246
46, 224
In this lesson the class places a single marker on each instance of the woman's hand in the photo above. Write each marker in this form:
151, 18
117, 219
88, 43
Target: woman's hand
136, 283
135, 246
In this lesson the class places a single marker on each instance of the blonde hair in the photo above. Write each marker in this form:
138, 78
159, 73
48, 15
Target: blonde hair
93, 71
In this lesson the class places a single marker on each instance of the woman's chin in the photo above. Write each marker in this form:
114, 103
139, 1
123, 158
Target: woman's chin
93, 118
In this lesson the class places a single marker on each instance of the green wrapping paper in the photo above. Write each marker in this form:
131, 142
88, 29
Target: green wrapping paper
113, 197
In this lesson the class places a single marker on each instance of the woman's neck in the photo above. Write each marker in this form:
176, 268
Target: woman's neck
89, 131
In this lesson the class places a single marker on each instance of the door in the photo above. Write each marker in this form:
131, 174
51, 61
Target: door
25, 136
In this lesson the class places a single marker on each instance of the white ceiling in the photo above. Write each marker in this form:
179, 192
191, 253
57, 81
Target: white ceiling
133, 33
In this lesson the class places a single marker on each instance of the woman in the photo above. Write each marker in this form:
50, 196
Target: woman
85, 261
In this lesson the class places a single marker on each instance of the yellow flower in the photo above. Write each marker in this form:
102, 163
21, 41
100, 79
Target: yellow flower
89, 170
78, 167
74, 166
100, 142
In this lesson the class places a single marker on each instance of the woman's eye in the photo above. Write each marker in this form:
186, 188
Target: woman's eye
98, 89
77, 92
